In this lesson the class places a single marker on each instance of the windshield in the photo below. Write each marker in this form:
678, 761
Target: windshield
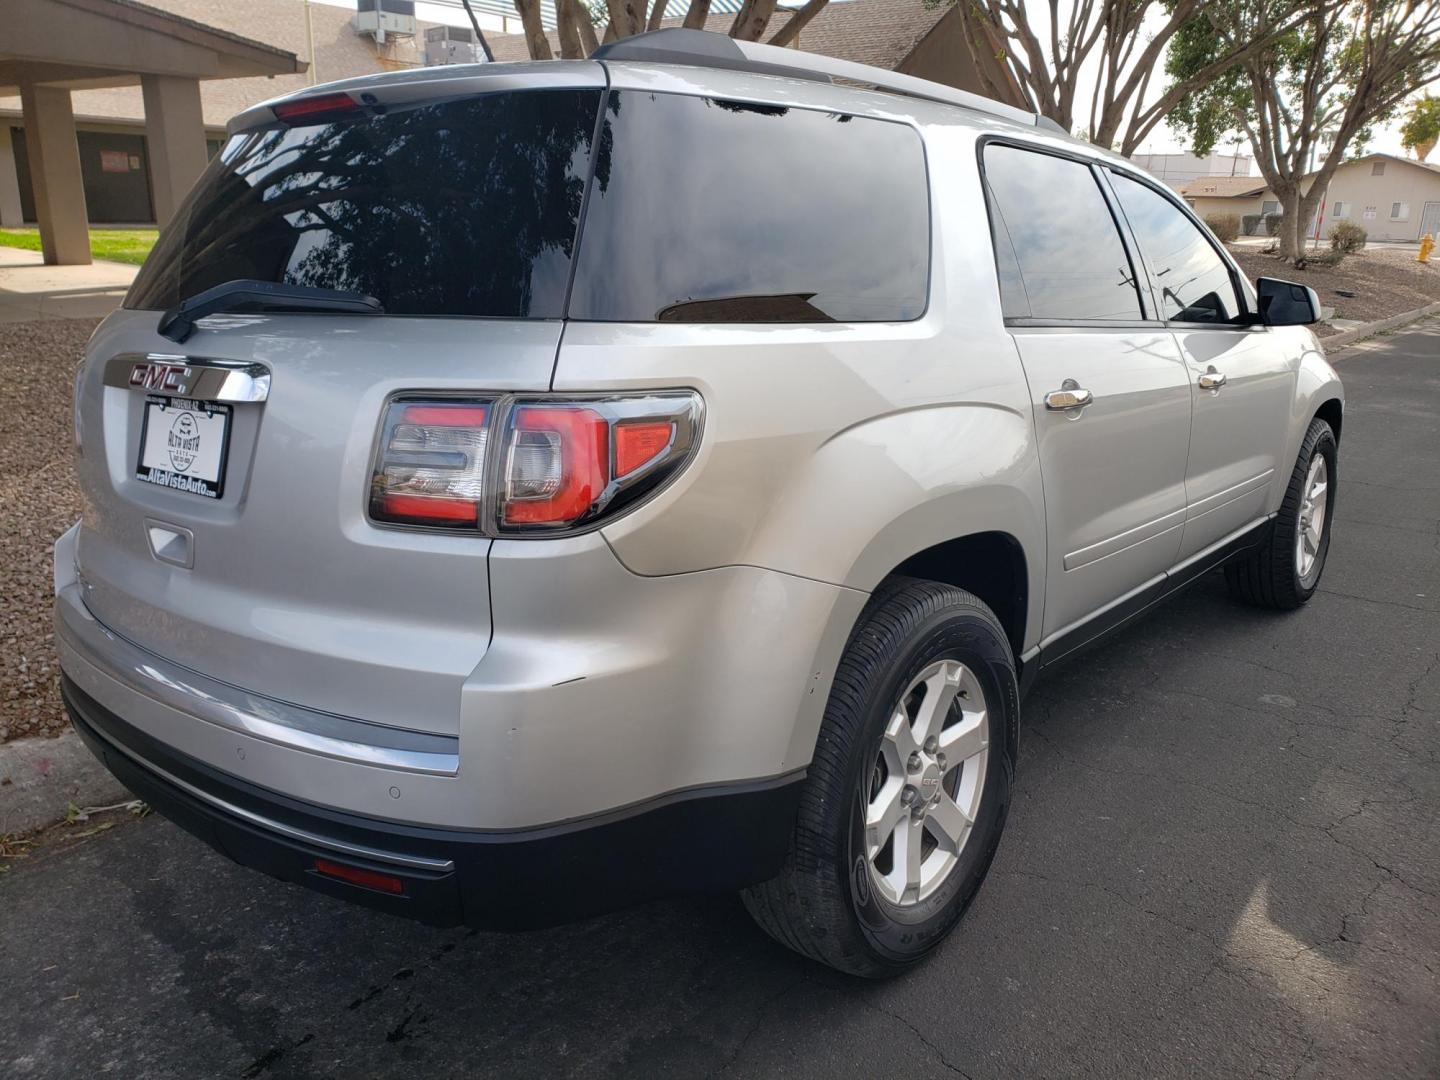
460, 208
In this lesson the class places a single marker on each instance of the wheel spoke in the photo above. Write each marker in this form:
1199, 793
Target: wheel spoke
948, 824
904, 876
899, 740
940, 691
963, 740
883, 814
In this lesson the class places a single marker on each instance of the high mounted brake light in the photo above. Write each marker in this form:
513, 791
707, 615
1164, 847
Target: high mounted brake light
313, 108
514, 466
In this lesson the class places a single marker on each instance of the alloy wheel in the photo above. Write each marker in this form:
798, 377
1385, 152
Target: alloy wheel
923, 790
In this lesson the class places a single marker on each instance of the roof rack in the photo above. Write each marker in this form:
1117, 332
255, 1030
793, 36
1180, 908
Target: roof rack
703, 48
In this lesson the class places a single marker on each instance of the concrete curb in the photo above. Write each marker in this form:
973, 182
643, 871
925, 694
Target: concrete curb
40, 778
1336, 342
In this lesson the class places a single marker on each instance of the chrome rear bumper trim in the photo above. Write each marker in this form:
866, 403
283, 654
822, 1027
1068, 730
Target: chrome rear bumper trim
239, 710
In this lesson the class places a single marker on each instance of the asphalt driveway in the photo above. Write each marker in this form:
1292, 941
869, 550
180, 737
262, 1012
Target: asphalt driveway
1223, 859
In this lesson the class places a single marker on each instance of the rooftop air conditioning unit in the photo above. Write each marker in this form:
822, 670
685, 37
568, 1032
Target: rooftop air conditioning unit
394, 18
452, 45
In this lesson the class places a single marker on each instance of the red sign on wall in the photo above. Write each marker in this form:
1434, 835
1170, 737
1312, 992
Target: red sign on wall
114, 161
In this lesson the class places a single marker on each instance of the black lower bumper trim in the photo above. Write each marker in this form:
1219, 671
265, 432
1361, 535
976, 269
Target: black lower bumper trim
497, 881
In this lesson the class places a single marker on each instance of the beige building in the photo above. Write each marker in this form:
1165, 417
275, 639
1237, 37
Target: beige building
1392, 198
113, 168
1215, 195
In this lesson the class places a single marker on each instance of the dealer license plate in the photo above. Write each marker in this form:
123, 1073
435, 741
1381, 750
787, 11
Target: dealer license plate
183, 445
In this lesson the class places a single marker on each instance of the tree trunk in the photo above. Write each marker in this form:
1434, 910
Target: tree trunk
535, 39
753, 18
657, 14
1305, 215
787, 34
1289, 217
698, 13
627, 17
567, 29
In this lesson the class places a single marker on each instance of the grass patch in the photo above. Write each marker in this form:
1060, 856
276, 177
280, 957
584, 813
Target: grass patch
116, 245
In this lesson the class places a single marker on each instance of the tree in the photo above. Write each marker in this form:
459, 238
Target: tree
1421, 130
576, 22
1045, 49
1311, 92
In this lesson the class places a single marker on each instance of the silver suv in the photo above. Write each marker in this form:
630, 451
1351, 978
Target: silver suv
524, 490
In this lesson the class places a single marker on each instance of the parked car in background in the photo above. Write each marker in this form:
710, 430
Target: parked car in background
524, 490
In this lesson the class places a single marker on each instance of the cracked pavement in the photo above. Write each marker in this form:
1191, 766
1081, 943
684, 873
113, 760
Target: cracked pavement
1223, 858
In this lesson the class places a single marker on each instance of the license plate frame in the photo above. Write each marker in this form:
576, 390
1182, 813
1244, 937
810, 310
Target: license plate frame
181, 466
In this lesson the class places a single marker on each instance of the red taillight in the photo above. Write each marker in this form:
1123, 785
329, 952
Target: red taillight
314, 107
355, 875
556, 464
432, 464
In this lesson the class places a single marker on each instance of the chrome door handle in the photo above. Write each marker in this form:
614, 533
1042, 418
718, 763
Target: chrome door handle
1069, 396
1212, 379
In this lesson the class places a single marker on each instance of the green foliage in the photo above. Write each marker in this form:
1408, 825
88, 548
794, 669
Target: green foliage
1422, 122
1226, 227
1347, 237
1272, 224
117, 245
1250, 224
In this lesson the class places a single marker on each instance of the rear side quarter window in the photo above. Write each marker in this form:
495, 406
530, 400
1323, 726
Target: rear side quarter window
718, 211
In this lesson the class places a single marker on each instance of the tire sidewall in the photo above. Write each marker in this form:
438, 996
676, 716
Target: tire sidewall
1322, 444
900, 935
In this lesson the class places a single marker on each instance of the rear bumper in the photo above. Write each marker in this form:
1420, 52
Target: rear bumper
709, 841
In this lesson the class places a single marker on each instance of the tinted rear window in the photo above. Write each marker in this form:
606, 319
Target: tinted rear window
456, 208
721, 211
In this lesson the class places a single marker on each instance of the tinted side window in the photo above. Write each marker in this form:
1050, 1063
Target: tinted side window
464, 207
1193, 281
1065, 259
721, 211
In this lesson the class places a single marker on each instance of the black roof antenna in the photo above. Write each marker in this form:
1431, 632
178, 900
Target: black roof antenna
484, 45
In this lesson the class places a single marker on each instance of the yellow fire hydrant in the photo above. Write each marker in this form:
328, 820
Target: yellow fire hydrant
1427, 245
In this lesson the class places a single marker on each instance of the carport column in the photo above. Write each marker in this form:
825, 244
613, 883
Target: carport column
175, 140
55, 178
11, 214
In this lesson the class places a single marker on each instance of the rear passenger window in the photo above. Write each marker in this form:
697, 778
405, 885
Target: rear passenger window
1057, 248
711, 211
1194, 282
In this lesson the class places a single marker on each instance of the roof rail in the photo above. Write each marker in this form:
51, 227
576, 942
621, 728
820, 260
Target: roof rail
704, 48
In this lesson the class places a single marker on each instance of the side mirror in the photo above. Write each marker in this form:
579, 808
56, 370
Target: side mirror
1284, 303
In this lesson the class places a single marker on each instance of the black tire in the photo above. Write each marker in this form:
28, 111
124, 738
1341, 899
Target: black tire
1268, 576
821, 904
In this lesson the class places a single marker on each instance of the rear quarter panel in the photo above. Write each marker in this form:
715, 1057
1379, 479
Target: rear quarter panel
836, 451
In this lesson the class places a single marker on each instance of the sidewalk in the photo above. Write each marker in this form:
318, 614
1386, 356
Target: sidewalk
31, 290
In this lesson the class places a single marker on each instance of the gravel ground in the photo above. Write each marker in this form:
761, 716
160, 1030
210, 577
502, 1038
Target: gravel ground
1386, 282
40, 500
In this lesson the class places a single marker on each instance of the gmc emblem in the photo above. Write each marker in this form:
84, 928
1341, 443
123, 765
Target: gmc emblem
153, 376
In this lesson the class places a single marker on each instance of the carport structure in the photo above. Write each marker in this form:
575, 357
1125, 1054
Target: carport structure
50, 47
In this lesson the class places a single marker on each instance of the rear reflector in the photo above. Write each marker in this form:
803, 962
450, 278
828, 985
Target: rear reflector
639, 442
366, 879
311, 107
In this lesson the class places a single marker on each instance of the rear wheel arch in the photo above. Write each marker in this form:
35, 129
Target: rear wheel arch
991, 565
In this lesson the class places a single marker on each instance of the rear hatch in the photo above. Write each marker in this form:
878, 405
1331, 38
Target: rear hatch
227, 475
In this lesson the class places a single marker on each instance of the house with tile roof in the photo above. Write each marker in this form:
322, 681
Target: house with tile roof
1392, 198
